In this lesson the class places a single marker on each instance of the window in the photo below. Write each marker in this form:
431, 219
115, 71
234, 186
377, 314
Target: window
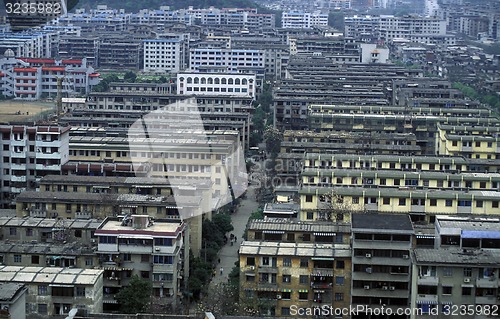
310, 215
467, 272
433, 202
466, 291
339, 238
382, 181
163, 241
78, 233
449, 203
17, 258
80, 291
265, 261
250, 261
35, 259
164, 260
309, 198
402, 202
447, 290
127, 257
494, 204
306, 237
42, 308
303, 279
145, 274
29, 232
287, 262
479, 203
285, 311
397, 182
145, 258
12, 231
355, 200
42, 290
339, 296
89, 262
303, 294
287, 278
340, 264
304, 263
386, 201
447, 271
339, 280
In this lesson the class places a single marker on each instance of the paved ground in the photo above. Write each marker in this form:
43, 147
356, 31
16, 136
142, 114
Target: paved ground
229, 254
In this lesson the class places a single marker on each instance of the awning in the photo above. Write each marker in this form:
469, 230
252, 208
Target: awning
250, 274
427, 302
135, 236
143, 186
426, 236
324, 234
319, 291
273, 232
128, 206
286, 290
266, 289
323, 258
303, 290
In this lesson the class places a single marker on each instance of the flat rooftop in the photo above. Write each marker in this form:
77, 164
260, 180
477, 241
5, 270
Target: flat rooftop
381, 222
153, 228
476, 257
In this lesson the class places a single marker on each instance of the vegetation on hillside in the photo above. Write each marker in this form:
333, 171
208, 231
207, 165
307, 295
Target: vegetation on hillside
134, 6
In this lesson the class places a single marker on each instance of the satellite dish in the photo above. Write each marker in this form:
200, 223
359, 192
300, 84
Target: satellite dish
72, 313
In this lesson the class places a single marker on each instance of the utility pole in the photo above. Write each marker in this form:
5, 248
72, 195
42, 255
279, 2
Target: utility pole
59, 96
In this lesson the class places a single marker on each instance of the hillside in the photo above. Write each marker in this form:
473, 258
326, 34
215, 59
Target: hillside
134, 6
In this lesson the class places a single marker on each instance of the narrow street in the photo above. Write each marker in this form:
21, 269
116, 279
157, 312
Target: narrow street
229, 254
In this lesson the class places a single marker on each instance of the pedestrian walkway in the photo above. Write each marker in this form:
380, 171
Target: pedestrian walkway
229, 254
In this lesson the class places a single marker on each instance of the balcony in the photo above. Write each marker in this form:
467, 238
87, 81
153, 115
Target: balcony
83, 215
392, 261
321, 285
41, 143
487, 282
47, 167
55, 155
18, 142
14, 178
267, 285
379, 292
486, 300
371, 207
18, 154
427, 281
417, 209
18, 166
381, 244
161, 268
40, 213
380, 276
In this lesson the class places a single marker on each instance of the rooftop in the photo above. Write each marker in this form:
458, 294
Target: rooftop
381, 222
255, 248
294, 226
49, 275
476, 257
8, 290
150, 227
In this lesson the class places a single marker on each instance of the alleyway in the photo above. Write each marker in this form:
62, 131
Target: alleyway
229, 254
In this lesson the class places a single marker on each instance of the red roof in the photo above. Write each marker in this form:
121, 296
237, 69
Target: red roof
2, 74
72, 61
31, 60
94, 75
54, 68
25, 70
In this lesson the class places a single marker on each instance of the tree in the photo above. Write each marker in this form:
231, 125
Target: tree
135, 297
273, 139
129, 77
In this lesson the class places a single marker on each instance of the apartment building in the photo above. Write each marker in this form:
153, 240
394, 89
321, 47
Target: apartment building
462, 269
381, 263
300, 19
277, 276
86, 197
55, 290
28, 154
164, 55
47, 230
478, 142
71, 47
30, 79
120, 54
155, 250
27, 44
216, 83
203, 58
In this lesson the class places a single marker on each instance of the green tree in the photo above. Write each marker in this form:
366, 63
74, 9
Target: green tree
129, 77
273, 139
223, 222
135, 297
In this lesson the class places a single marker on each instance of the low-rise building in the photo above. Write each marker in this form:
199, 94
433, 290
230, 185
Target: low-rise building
55, 290
300, 19
381, 263
12, 300
216, 83
155, 250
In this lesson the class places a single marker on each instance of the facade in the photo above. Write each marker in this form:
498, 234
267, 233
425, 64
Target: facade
381, 263
55, 291
29, 153
461, 268
298, 19
216, 83
227, 60
155, 250
164, 55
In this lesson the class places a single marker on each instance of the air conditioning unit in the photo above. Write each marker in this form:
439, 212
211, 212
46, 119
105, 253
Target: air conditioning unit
392, 288
252, 267
385, 288
406, 256
278, 296
368, 255
466, 279
369, 270
367, 287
